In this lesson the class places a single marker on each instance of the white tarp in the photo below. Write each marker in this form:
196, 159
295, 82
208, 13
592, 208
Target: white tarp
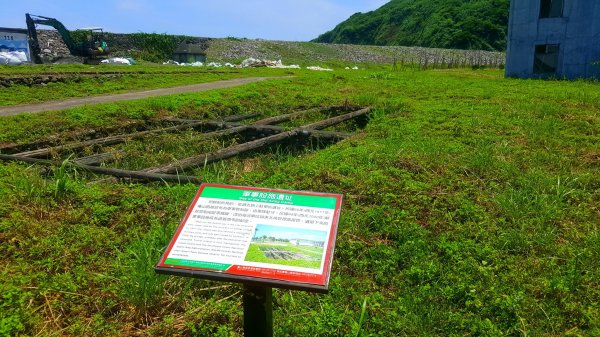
119, 60
255, 63
12, 58
183, 64
21, 55
317, 68
247, 63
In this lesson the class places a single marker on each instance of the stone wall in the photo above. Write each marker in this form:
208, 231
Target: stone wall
53, 49
45, 79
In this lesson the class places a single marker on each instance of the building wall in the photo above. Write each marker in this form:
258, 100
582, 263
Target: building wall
189, 58
14, 40
577, 33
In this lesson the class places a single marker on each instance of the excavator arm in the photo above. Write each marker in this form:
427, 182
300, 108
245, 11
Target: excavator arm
33, 40
62, 30
84, 50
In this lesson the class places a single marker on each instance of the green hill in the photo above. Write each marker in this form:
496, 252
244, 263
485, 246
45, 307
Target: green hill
458, 24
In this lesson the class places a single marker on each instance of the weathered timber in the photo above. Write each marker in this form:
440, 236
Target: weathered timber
117, 139
285, 117
79, 136
224, 153
106, 157
235, 118
127, 174
227, 131
96, 158
265, 121
235, 150
336, 120
316, 133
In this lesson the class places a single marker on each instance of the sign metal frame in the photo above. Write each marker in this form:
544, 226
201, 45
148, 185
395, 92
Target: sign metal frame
319, 286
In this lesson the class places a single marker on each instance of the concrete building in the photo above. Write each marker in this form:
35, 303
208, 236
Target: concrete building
307, 243
554, 38
190, 53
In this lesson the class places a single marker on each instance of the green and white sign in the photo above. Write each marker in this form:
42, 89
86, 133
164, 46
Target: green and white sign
256, 234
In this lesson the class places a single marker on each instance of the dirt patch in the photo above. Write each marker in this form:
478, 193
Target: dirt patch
71, 103
280, 254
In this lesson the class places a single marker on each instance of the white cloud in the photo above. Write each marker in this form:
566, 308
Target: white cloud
135, 6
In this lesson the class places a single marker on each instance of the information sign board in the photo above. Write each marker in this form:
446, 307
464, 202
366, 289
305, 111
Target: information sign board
13, 40
261, 236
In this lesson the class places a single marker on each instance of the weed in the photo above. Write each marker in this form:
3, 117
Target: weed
361, 321
62, 179
470, 208
15, 318
139, 285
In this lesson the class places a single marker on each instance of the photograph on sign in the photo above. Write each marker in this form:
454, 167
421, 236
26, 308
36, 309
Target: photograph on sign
287, 246
256, 234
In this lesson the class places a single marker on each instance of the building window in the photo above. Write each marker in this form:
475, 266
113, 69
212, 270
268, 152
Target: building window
546, 59
551, 8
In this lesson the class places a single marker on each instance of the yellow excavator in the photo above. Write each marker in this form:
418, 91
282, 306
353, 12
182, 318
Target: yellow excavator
93, 49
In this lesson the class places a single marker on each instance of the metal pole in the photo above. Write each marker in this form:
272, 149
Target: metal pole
258, 311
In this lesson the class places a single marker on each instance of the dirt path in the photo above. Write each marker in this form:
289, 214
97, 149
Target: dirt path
61, 105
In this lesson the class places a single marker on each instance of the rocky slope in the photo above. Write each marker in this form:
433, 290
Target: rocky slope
303, 53
309, 53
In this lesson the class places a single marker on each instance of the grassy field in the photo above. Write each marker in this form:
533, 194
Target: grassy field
83, 81
256, 254
471, 207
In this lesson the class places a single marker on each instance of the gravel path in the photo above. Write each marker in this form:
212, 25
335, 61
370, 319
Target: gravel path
61, 105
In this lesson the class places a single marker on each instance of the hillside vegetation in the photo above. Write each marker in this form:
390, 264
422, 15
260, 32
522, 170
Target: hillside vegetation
456, 24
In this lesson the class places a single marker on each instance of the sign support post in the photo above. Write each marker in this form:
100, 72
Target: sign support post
264, 238
258, 311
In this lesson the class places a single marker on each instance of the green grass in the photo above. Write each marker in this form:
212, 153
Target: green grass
470, 208
85, 81
256, 254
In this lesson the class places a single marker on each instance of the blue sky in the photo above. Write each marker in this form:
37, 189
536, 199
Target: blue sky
290, 233
292, 20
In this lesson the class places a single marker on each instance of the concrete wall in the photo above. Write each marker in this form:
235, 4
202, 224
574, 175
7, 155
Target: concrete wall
577, 33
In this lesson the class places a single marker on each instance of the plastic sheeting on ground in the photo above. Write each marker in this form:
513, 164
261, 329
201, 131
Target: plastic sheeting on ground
251, 63
13, 58
119, 60
317, 68
255, 63
183, 64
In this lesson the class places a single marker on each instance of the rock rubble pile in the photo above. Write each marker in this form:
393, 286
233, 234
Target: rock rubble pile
52, 46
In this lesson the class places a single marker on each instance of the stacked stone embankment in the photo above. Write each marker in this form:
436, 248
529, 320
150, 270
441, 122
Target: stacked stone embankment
44, 79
